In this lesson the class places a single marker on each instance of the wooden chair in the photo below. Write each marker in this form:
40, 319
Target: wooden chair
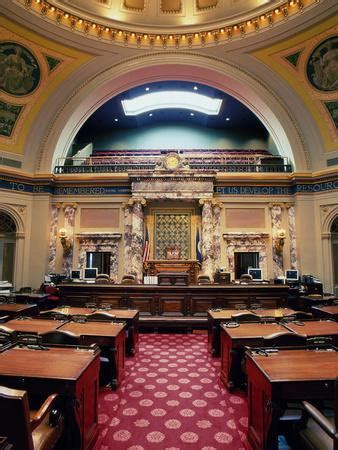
101, 317
25, 290
26, 429
56, 315
298, 315
203, 279
60, 337
284, 339
245, 317
319, 427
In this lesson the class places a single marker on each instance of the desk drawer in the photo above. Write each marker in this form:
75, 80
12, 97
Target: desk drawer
303, 390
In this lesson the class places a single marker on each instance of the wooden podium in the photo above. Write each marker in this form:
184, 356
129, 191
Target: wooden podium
155, 267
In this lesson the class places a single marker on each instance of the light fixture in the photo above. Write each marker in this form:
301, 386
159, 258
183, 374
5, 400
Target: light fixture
171, 99
66, 242
192, 114
279, 241
116, 120
227, 119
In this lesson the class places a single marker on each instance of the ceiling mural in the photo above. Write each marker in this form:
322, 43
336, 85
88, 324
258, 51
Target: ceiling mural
309, 63
29, 65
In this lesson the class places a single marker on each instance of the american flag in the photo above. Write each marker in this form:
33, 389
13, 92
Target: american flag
146, 246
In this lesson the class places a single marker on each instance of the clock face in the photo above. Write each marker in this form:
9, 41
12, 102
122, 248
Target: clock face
172, 161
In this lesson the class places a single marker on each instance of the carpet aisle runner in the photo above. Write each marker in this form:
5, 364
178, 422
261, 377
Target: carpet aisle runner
172, 399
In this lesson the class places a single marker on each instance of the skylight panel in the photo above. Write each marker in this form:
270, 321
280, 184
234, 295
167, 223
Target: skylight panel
171, 99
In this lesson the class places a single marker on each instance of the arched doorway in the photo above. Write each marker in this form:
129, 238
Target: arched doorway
334, 241
7, 247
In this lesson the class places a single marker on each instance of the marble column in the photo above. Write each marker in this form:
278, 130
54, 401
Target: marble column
207, 240
137, 238
128, 251
53, 233
217, 235
69, 214
277, 256
292, 235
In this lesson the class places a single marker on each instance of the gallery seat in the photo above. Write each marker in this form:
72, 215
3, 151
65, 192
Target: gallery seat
26, 429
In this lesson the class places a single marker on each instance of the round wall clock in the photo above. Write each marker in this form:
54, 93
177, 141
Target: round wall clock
172, 161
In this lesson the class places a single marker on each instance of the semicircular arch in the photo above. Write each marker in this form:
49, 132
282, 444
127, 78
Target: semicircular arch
187, 67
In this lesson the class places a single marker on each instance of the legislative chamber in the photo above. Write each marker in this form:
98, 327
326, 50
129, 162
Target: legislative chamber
168, 225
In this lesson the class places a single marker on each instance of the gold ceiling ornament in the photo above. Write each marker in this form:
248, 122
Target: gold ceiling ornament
170, 40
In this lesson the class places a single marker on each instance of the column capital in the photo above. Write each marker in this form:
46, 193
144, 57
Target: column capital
205, 201
69, 205
276, 205
134, 200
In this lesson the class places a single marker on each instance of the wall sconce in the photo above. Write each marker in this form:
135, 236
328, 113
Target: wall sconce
66, 242
279, 241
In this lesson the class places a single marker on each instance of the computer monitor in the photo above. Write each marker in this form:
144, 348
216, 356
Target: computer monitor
291, 275
256, 273
90, 273
76, 274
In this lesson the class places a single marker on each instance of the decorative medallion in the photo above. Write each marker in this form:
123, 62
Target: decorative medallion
322, 67
19, 70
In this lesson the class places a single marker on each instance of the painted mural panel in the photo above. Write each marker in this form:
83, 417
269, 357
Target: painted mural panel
19, 70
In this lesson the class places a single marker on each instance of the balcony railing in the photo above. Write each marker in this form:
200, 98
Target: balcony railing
121, 164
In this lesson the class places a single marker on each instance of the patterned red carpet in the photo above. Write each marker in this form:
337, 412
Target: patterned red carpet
172, 399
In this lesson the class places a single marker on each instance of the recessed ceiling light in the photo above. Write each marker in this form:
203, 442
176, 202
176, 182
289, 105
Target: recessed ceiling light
147, 89
192, 114
151, 115
227, 119
195, 88
171, 99
116, 120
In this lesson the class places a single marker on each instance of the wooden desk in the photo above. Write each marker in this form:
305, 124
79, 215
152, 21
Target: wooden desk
33, 325
110, 337
130, 316
70, 372
286, 375
216, 317
190, 300
305, 302
18, 309
190, 267
325, 312
233, 341
39, 299
313, 328
73, 310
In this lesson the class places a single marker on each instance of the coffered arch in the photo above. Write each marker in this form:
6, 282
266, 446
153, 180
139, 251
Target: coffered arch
184, 66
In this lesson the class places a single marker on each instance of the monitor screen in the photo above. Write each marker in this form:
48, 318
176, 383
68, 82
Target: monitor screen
291, 275
256, 273
90, 273
76, 274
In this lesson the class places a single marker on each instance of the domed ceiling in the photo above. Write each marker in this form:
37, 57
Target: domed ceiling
167, 23
169, 13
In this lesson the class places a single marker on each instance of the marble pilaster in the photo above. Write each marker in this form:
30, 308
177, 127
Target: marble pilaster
69, 214
207, 238
217, 235
128, 251
53, 232
292, 236
136, 267
277, 256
